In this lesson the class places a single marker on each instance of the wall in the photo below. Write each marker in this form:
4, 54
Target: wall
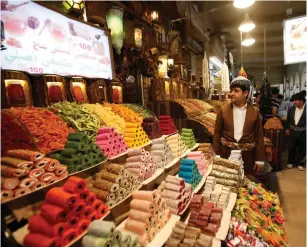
295, 79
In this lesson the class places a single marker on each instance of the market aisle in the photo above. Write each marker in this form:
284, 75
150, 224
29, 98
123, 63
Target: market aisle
292, 184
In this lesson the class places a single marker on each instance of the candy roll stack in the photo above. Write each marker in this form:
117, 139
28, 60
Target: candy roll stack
189, 172
167, 125
134, 135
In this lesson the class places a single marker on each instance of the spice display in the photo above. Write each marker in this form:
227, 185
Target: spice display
176, 193
134, 135
108, 117
79, 153
205, 215
261, 210
201, 162
113, 184
161, 152
24, 171
188, 138
183, 235
110, 142
78, 117
273, 124
58, 226
167, 125
140, 163
177, 145
147, 216
189, 172
48, 129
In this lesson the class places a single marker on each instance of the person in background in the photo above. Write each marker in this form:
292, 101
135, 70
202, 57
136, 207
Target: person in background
296, 130
275, 104
257, 99
239, 126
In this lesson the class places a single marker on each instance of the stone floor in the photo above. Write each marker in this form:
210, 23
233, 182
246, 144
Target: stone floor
292, 193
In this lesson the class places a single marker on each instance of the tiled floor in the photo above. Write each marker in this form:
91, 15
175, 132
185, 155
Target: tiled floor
292, 185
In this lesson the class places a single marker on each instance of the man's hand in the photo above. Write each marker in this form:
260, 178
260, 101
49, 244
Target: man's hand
259, 167
287, 132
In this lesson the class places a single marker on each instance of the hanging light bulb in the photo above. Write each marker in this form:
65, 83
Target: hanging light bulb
242, 4
247, 25
248, 40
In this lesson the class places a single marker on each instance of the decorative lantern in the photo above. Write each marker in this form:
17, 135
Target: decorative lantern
154, 15
74, 5
115, 23
138, 38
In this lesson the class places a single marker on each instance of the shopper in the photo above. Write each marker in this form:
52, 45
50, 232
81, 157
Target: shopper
275, 104
296, 130
239, 126
257, 99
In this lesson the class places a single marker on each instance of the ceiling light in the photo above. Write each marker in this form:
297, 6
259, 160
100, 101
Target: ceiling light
248, 40
242, 4
247, 25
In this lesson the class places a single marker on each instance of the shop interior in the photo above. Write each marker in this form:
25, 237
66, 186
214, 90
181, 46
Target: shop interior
108, 118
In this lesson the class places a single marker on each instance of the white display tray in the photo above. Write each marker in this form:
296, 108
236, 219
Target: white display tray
172, 163
231, 202
200, 185
158, 172
162, 235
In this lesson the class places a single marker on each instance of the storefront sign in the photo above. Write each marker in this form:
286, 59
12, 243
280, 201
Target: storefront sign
40, 41
295, 36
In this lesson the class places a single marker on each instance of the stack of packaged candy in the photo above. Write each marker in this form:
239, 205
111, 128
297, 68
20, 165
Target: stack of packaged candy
189, 172
177, 145
201, 162
134, 135
161, 152
167, 125
176, 193
110, 142
188, 138
65, 214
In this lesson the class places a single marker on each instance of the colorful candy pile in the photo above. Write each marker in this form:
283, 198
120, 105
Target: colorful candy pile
188, 138
161, 152
147, 216
177, 145
126, 113
110, 142
24, 171
183, 235
80, 153
66, 213
189, 172
134, 135
140, 163
201, 162
49, 130
167, 125
176, 193
113, 184
206, 149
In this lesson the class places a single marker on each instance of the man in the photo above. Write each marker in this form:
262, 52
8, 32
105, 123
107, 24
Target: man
257, 99
239, 126
296, 130
275, 104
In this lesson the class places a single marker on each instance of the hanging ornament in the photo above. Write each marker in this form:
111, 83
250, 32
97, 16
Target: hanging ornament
242, 73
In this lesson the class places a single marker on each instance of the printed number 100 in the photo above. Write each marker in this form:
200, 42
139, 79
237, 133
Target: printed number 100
35, 70
85, 47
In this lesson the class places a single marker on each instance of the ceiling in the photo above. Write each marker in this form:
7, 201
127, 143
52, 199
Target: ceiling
224, 20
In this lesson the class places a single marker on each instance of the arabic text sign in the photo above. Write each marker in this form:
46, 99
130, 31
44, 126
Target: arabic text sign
295, 40
41, 41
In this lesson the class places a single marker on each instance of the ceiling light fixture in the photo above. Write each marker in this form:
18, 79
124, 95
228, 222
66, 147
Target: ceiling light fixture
242, 4
247, 25
248, 40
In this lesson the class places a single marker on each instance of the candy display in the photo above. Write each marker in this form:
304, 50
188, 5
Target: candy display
78, 117
216, 193
183, 235
104, 234
113, 184
189, 172
176, 193
261, 210
49, 130
152, 127
201, 162
206, 119
207, 150
140, 163
273, 124
161, 152
134, 135
177, 146
188, 138
205, 215
79, 153
147, 216
110, 142
65, 214
24, 171
108, 117
126, 113
167, 125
